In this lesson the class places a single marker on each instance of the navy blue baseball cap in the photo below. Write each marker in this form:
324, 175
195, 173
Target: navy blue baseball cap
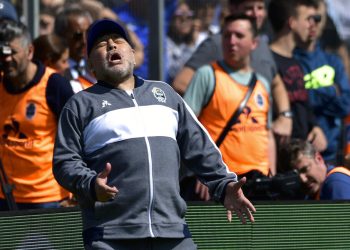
103, 27
8, 11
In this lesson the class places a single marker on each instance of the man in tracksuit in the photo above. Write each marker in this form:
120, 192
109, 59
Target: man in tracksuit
118, 149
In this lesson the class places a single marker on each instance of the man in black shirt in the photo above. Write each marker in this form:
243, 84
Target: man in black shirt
289, 20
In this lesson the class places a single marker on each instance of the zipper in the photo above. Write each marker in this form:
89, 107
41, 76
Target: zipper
150, 164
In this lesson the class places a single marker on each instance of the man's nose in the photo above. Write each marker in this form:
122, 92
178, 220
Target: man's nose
303, 178
5, 58
111, 44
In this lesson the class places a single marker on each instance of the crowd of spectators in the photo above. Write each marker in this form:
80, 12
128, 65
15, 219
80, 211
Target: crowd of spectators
301, 104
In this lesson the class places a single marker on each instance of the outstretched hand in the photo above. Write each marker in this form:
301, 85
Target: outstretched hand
236, 202
103, 191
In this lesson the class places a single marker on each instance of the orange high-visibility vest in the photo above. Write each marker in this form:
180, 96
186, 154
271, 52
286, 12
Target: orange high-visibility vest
245, 147
27, 133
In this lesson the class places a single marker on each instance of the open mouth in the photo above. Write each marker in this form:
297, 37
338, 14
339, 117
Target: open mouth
115, 57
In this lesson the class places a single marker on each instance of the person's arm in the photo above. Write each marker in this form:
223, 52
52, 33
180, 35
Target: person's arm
182, 80
197, 96
58, 91
200, 89
318, 139
272, 154
337, 95
282, 126
69, 168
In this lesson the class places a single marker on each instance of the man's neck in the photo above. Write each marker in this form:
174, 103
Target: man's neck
239, 66
127, 84
283, 45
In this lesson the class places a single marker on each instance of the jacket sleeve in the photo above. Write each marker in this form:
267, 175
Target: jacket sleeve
58, 92
338, 104
200, 154
69, 168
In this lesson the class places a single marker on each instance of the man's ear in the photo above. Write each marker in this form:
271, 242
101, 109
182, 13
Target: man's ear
133, 52
319, 158
255, 43
30, 51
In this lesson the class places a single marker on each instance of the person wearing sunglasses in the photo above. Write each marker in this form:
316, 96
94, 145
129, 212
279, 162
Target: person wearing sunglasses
327, 84
290, 20
71, 24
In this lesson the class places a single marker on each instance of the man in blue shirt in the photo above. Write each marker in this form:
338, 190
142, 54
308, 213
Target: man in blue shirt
318, 180
327, 84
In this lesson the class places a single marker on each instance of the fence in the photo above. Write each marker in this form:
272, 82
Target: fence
279, 225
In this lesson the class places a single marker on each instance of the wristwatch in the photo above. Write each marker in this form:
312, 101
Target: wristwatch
287, 114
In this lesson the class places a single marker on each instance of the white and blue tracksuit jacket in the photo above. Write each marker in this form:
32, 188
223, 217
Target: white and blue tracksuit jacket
144, 135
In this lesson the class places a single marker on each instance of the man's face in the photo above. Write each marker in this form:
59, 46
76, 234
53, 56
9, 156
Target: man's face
112, 59
322, 12
303, 25
15, 64
78, 26
237, 42
312, 173
253, 8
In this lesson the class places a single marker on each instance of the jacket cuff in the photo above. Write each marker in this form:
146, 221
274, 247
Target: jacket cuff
92, 188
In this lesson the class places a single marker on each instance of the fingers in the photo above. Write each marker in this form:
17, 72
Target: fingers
105, 171
202, 191
229, 215
197, 187
242, 214
103, 191
239, 214
239, 184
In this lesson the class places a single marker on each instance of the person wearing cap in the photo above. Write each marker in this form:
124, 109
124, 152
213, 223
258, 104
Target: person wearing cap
118, 149
8, 11
31, 98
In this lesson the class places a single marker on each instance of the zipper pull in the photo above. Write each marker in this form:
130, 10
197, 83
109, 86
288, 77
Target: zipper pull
132, 96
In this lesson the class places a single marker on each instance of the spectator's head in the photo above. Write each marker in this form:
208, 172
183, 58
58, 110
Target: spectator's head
16, 49
52, 51
8, 11
204, 11
253, 8
239, 34
181, 24
46, 21
296, 16
309, 163
71, 24
322, 13
111, 57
